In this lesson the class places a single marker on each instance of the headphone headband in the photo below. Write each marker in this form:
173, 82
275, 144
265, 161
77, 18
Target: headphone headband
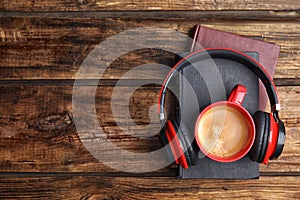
230, 54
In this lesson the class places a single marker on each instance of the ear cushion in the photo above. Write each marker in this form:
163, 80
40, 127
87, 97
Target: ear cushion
265, 139
189, 145
260, 145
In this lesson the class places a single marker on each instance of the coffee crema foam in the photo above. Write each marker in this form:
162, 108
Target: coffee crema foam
223, 131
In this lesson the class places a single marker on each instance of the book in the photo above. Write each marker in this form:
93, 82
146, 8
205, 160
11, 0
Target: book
232, 73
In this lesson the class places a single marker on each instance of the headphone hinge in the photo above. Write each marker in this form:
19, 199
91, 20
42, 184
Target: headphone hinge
276, 116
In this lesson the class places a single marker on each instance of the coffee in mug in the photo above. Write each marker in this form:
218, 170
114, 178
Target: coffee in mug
225, 130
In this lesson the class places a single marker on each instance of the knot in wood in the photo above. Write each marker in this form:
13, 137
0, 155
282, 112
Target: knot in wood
83, 1
54, 122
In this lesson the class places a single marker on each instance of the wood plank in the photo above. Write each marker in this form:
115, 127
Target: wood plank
92, 5
38, 133
51, 48
98, 187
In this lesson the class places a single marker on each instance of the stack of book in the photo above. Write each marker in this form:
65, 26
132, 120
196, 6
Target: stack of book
232, 73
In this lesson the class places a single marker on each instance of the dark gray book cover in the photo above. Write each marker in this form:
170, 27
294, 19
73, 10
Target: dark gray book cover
231, 73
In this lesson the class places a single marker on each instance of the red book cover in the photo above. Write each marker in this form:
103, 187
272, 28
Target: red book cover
204, 37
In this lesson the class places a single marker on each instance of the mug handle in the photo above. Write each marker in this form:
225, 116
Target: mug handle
237, 94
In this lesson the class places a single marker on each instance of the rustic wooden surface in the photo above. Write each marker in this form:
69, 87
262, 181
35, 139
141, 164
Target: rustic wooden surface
42, 45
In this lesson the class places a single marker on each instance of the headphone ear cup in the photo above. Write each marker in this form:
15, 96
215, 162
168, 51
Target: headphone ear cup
280, 140
178, 145
167, 148
260, 145
184, 133
182, 143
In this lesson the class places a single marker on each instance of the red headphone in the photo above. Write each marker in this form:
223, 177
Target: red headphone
270, 130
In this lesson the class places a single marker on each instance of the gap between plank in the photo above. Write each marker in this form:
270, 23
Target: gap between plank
118, 174
163, 14
113, 82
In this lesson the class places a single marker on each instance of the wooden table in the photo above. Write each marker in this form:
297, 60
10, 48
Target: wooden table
43, 44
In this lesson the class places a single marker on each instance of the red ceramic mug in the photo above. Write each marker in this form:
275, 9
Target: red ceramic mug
225, 130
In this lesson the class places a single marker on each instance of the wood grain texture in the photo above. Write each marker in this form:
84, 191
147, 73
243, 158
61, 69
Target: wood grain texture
99, 187
43, 48
42, 45
38, 133
91, 5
